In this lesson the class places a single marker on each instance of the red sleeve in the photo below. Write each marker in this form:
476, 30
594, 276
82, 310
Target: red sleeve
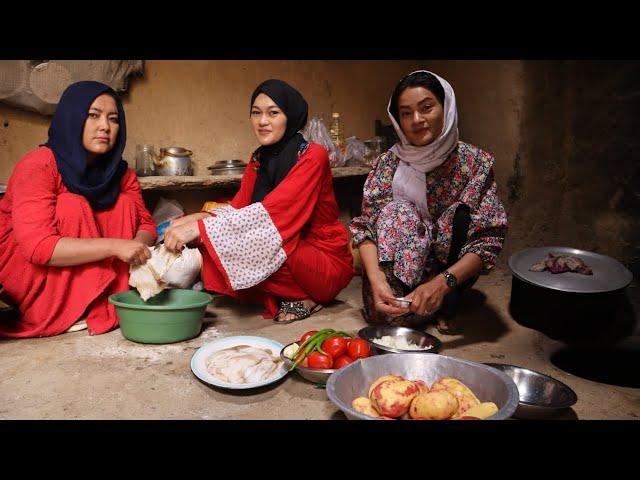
131, 186
291, 204
34, 186
243, 197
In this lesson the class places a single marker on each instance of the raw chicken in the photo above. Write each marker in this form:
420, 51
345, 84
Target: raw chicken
164, 270
561, 264
243, 364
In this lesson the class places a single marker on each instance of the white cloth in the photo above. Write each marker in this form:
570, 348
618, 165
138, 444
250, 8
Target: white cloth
247, 242
409, 181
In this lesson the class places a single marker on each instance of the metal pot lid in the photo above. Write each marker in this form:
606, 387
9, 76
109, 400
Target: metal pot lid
608, 273
178, 151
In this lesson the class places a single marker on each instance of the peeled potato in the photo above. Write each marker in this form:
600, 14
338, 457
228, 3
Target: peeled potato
466, 398
483, 410
363, 405
433, 405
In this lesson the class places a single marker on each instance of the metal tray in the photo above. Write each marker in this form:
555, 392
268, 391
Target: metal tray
608, 273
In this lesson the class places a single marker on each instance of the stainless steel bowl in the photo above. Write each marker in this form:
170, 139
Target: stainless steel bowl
414, 336
315, 375
488, 384
540, 395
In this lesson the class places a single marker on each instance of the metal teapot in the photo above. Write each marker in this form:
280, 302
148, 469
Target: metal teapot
173, 161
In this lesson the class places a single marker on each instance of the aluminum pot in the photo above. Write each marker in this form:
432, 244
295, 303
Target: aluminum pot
173, 161
487, 383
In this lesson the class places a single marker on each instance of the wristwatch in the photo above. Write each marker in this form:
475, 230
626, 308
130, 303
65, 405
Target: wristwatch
452, 281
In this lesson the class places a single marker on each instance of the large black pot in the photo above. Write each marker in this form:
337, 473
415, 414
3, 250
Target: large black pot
589, 314
568, 316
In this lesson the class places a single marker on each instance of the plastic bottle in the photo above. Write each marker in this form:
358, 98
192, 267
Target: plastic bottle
336, 131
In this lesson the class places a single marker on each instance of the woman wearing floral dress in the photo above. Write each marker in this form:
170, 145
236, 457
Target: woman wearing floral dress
431, 219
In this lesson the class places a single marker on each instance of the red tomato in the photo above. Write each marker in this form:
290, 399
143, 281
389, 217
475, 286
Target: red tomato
307, 335
342, 361
335, 346
358, 348
318, 360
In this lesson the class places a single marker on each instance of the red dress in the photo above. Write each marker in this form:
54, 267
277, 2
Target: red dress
293, 237
35, 213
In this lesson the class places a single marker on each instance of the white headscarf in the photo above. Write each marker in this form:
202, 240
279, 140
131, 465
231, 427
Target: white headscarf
409, 181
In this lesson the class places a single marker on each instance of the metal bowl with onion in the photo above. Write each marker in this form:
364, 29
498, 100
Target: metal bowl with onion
315, 375
540, 396
429, 343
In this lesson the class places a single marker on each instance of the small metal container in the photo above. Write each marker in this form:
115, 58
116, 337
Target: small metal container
488, 384
410, 335
227, 167
540, 396
315, 375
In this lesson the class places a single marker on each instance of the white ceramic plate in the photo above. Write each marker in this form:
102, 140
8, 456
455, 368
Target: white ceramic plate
198, 361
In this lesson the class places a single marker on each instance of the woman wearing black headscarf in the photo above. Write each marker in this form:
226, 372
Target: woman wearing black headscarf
281, 238
73, 220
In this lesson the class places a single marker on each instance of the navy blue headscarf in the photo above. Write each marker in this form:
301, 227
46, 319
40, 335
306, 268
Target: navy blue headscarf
99, 184
276, 160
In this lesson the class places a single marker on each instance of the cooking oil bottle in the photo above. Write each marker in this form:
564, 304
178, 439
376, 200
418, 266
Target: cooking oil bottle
336, 131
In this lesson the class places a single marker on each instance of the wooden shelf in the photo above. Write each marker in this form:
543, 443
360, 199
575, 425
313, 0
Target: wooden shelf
214, 181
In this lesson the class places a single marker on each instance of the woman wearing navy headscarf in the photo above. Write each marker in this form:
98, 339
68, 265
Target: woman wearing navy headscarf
73, 220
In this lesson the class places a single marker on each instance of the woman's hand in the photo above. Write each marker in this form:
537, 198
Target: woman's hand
133, 252
175, 238
427, 298
384, 299
188, 218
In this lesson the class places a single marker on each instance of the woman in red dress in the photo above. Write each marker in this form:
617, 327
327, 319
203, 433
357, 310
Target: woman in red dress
281, 238
72, 220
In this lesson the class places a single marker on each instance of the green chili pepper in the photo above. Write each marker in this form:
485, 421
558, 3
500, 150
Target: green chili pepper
313, 343
309, 346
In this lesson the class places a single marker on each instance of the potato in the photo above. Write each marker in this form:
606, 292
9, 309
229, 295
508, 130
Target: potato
422, 386
363, 405
466, 398
433, 405
379, 380
484, 410
392, 397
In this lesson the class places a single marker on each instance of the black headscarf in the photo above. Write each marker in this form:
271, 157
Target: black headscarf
276, 160
99, 184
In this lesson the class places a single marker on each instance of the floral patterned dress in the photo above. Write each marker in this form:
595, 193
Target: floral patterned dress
412, 250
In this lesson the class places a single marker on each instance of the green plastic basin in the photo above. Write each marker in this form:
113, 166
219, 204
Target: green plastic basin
171, 316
